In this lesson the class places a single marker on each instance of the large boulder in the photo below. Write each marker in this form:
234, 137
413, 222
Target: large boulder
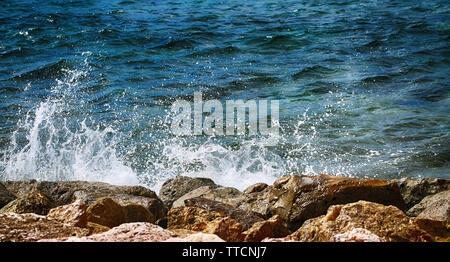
129, 232
298, 198
5, 196
106, 212
387, 222
246, 218
176, 187
227, 195
137, 213
31, 227
413, 191
73, 214
32, 202
436, 207
190, 218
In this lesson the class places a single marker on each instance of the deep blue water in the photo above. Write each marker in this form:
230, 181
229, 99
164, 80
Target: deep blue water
85, 88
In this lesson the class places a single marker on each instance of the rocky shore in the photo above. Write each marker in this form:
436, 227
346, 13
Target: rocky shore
318, 208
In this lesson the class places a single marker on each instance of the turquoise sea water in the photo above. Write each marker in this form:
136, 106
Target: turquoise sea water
86, 88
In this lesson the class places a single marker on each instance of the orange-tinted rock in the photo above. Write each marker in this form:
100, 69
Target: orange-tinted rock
191, 218
73, 214
106, 212
136, 213
226, 228
96, 228
387, 222
271, 228
438, 229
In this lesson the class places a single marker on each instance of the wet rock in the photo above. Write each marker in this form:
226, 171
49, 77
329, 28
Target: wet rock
438, 229
175, 188
413, 191
32, 202
246, 218
226, 228
31, 227
129, 232
73, 214
387, 222
5, 196
357, 235
298, 198
137, 213
274, 227
106, 212
227, 195
434, 207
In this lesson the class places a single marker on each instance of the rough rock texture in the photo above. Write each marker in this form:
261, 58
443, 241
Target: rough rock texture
435, 207
31, 227
129, 232
226, 228
190, 218
271, 228
137, 213
438, 229
413, 191
32, 202
73, 214
246, 218
197, 237
387, 222
96, 228
175, 188
5, 196
298, 198
227, 195
106, 212
357, 235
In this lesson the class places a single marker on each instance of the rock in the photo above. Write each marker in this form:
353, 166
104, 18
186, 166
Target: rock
413, 191
197, 237
128, 232
246, 218
5, 196
435, 207
158, 209
190, 218
226, 228
32, 202
106, 212
96, 228
175, 188
73, 214
31, 227
271, 228
65, 192
357, 235
298, 198
137, 213
387, 222
438, 229
227, 195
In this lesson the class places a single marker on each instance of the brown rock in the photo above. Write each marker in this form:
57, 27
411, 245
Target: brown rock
175, 188
298, 198
32, 202
137, 213
96, 228
31, 227
191, 218
227, 195
106, 212
129, 232
245, 218
5, 196
387, 222
226, 228
438, 229
435, 207
256, 198
413, 191
73, 214
271, 228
